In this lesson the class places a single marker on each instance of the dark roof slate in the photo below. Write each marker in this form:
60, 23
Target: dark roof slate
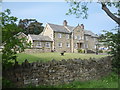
40, 38
68, 29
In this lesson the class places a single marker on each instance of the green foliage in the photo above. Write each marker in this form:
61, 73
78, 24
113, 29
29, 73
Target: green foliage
31, 26
80, 8
100, 51
7, 84
12, 44
113, 42
81, 51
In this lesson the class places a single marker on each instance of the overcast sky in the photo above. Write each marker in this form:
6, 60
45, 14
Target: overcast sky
54, 12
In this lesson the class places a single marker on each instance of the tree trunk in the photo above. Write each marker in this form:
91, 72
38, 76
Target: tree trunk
111, 15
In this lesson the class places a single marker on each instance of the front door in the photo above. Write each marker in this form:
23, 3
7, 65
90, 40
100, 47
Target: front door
79, 45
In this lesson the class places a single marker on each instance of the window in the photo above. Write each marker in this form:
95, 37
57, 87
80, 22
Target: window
59, 44
68, 44
78, 37
95, 46
75, 45
59, 35
48, 44
86, 45
67, 36
75, 37
86, 38
82, 37
38, 44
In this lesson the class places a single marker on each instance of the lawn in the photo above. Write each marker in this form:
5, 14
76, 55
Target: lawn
50, 56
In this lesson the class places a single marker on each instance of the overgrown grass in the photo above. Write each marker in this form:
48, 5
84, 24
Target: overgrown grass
50, 56
110, 81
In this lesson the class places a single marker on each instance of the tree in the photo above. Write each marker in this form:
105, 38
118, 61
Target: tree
112, 41
10, 41
80, 9
31, 26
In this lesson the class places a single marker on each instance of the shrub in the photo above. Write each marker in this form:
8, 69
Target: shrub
100, 51
81, 51
7, 83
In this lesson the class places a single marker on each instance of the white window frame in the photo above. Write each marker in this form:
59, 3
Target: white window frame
75, 37
95, 46
59, 35
86, 38
78, 37
82, 37
75, 45
47, 44
86, 45
67, 36
60, 44
68, 45
39, 45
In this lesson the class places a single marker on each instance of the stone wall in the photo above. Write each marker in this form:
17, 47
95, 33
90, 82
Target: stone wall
58, 72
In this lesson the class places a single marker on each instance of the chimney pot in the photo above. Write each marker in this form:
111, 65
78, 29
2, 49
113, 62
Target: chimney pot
82, 26
65, 23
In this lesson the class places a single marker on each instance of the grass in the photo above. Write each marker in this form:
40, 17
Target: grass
110, 81
50, 56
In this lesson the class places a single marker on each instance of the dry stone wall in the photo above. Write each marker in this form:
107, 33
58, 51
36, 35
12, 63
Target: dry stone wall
58, 72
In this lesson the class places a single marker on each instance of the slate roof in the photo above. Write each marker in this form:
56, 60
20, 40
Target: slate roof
63, 29
59, 28
40, 37
90, 33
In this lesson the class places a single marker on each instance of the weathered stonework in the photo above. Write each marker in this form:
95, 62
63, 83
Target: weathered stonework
58, 72
64, 40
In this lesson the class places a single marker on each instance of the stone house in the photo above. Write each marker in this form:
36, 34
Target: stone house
60, 38
40, 43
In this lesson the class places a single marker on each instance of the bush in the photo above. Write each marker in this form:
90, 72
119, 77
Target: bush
90, 51
81, 51
100, 51
7, 84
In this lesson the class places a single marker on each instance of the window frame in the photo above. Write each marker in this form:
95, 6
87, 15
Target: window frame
67, 36
60, 44
59, 35
68, 44
38, 45
47, 44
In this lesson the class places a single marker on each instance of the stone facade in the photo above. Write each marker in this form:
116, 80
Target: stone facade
65, 38
71, 38
62, 43
58, 72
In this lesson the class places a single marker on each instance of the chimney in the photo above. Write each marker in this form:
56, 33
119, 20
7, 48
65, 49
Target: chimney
65, 23
82, 26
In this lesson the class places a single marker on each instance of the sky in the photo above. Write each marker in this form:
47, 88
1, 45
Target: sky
54, 12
